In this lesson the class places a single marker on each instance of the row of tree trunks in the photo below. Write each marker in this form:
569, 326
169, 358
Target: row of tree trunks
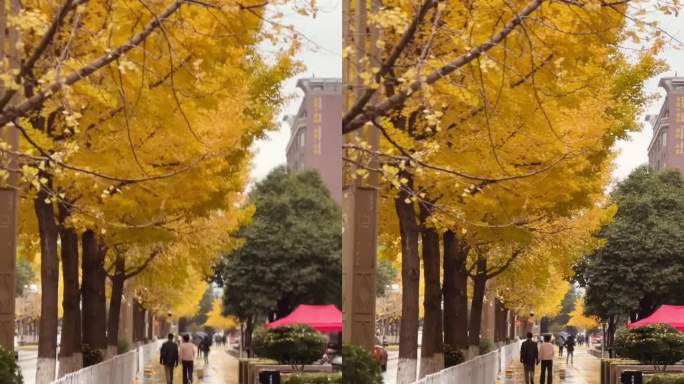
410, 275
455, 290
70, 356
432, 356
49, 276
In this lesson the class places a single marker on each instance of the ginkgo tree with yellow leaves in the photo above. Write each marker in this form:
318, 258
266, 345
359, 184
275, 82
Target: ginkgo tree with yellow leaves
580, 320
497, 121
136, 119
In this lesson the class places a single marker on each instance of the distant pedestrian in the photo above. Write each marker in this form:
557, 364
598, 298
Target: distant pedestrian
546, 353
187, 356
205, 346
570, 347
561, 343
168, 357
529, 357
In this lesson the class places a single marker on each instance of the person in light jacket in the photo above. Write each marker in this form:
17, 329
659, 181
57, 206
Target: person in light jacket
546, 353
187, 357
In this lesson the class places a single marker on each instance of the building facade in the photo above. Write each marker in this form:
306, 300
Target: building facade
315, 132
666, 149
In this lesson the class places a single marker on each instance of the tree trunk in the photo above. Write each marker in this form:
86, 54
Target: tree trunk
49, 277
247, 342
476, 306
610, 337
455, 291
115, 307
410, 274
431, 355
93, 293
70, 357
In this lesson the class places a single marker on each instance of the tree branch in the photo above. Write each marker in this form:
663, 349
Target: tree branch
388, 65
35, 102
28, 65
397, 100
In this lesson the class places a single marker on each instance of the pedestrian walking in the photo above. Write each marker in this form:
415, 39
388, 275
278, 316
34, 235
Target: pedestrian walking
529, 357
187, 356
205, 345
570, 347
168, 357
546, 352
561, 343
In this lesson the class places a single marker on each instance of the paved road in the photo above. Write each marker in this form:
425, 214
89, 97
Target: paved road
390, 375
585, 370
27, 362
222, 369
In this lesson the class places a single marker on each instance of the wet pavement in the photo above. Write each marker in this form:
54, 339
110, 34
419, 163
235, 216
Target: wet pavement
585, 370
222, 369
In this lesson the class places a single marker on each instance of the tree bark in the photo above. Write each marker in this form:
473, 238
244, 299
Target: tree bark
118, 280
479, 284
247, 342
49, 276
455, 289
432, 350
70, 357
93, 293
410, 274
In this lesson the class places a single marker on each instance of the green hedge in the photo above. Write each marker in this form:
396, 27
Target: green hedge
658, 344
314, 378
359, 366
9, 370
294, 345
667, 379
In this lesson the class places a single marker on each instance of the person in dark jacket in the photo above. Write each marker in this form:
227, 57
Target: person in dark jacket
529, 357
168, 357
570, 347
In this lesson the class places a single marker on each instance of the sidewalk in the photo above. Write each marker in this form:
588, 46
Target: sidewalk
585, 370
222, 369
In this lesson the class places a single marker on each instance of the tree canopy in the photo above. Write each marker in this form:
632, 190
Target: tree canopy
290, 251
641, 265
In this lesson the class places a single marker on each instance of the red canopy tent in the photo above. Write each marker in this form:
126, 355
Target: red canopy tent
668, 314
323, 318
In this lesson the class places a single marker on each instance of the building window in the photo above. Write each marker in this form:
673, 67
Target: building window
301, 138
663, 139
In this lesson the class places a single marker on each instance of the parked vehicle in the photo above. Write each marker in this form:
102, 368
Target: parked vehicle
380, 355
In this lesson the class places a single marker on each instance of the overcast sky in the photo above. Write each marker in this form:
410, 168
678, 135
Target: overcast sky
634, 152
322, 55
323, 59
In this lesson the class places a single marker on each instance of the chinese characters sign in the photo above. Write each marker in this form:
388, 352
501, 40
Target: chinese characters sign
316, 120
679, 125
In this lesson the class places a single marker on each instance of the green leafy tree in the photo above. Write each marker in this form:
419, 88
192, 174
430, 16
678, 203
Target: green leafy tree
204, 307
386, 275
25, 276
641, 265
659, 345
291, 251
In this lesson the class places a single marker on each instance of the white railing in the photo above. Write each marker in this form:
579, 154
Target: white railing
480, 370
121, 369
